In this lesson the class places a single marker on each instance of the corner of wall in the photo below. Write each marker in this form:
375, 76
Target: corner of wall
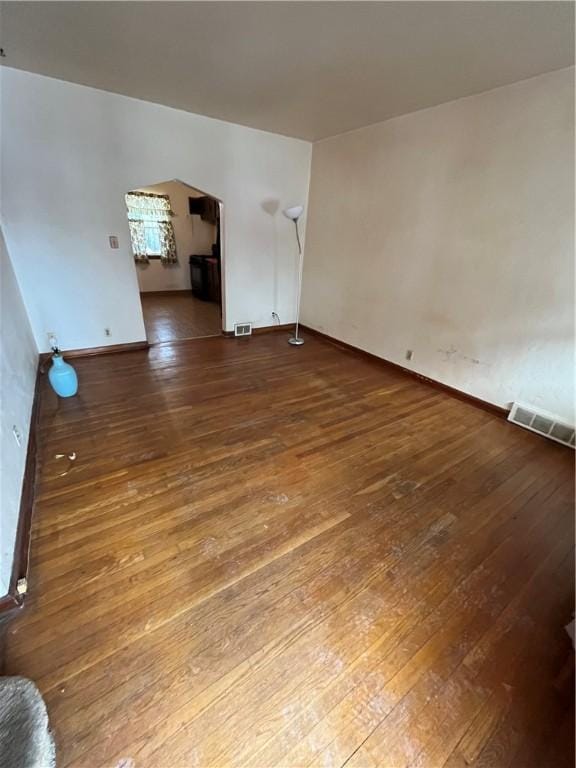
18, 370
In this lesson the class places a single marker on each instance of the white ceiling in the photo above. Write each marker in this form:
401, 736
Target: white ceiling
305, 69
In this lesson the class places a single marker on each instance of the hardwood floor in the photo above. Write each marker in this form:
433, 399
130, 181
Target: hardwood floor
276, 556
179, 316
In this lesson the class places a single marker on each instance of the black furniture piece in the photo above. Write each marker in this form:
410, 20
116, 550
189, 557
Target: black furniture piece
205, 277
198, 277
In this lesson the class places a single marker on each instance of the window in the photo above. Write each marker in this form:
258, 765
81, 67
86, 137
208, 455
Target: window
152, 239
151, 231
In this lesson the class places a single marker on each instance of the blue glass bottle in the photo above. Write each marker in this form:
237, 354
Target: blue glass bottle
62, 377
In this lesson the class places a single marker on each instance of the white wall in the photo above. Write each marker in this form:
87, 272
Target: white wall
450, 232
70, 153
192, 235
18, 364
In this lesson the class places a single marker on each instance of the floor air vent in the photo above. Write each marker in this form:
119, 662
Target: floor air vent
543, 423
242, 329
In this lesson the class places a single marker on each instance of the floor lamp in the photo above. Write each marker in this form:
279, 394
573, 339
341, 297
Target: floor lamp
294, 214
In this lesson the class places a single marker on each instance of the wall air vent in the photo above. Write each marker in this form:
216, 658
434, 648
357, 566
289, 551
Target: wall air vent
242, 329
543, 423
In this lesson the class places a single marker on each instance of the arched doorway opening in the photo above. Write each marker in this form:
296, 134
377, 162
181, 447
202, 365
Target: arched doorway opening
176, 237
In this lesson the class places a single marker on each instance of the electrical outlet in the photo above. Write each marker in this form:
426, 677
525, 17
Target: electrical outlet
107, 332
409, 354
17, 436
113, 240
52, 340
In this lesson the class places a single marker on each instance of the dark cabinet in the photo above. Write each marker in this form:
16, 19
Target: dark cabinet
205, 277
213, 277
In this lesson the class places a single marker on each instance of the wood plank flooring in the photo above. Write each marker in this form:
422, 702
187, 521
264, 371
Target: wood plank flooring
276, 556
180, 315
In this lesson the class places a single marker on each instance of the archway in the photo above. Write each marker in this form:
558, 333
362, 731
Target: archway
176, 237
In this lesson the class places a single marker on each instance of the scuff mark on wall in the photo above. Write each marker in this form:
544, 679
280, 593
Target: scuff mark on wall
452, 352
448, 353
474, 360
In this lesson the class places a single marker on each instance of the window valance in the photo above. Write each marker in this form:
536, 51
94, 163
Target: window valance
147, 206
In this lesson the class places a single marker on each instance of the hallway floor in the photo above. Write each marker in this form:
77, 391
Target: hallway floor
179, 315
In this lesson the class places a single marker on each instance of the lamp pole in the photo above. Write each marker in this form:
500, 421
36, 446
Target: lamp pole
294, 214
